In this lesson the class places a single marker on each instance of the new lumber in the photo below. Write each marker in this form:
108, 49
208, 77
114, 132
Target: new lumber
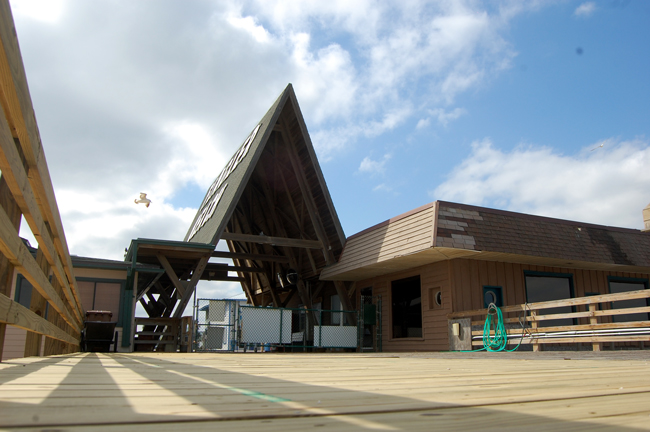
22, 122
19, 316
13, 170
17, 253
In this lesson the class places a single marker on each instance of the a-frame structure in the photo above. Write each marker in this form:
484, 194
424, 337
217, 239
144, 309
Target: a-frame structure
270, 204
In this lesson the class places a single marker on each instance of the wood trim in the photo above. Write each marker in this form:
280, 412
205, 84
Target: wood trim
17, 315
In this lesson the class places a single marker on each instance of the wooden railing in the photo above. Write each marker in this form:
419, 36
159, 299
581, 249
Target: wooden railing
157, 334
26, 190
597, 326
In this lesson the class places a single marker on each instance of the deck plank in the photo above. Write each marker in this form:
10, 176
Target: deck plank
568, 391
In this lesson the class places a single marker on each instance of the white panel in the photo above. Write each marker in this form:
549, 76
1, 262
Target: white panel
265, 325
217, 312
335, 336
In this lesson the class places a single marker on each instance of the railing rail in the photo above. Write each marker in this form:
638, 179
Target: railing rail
532, 318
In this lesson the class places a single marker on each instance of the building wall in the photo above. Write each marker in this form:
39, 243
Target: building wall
461, 282
14, 346
469, 276
433, 278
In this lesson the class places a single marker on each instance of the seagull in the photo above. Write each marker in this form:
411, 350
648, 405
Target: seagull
143, 199
595, 148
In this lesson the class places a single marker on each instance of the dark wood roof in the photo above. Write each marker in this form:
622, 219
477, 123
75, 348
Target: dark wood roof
443, 230
482, 229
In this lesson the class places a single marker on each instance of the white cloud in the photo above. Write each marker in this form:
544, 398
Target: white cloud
143, 97
586, 9
609, 186
423, 123
369, 166
443, 116
250, 26
48, 11
382, 188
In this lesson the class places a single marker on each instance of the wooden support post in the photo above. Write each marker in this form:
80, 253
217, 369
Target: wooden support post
8, 203
534, 325
596, 346
38, 303
191, 286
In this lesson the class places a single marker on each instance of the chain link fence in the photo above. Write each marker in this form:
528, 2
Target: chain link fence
298, 328
231, 325
215, 325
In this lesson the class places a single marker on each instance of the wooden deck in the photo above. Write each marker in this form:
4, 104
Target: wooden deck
268, 391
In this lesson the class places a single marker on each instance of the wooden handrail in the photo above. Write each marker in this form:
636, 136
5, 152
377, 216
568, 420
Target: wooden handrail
603, 298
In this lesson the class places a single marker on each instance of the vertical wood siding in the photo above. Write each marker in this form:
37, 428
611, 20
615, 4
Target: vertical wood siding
461, 283
433, 278
469, 277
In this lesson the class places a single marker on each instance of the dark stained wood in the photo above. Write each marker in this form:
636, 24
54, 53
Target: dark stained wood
251, 257
277, 241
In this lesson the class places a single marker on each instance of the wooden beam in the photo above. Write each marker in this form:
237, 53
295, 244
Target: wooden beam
250, 257
15, 250
302, 290
196, 276
15, 97
248, 288
8, 204
171, 274
19, 316
299, 218
317, 223
12, 168
242, 224
276, 241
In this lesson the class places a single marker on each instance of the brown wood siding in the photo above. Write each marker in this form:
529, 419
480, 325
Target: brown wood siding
469, 277
405, 236
461, 283
433, 278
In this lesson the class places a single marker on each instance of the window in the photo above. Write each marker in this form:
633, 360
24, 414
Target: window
407, 308
547, 287
492, 294
619, 285
23, 294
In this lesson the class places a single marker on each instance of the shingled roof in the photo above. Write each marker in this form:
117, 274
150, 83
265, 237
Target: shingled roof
444, 230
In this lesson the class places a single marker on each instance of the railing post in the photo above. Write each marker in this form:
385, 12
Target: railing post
533, 326
595, 346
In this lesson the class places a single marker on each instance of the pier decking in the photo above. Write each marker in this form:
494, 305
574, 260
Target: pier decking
269, 391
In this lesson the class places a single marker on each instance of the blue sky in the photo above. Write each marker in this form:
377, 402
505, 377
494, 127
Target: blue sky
499, 104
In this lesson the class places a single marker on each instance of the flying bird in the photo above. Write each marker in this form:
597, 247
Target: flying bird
598, 147
143, 199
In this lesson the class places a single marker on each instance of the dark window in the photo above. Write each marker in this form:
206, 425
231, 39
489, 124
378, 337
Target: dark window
492, 294
621, 285
541, 288
407, 308
23, 293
